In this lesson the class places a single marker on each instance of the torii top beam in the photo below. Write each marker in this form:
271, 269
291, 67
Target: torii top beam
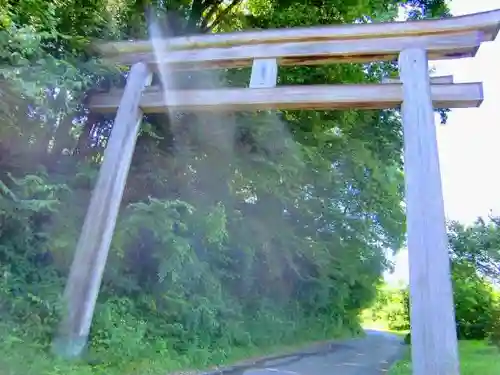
448, 38
485, 22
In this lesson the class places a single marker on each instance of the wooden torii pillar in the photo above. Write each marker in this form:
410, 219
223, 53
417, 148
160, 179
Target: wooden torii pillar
434, 340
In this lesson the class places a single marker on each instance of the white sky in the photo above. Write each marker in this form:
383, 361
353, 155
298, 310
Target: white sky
469, 144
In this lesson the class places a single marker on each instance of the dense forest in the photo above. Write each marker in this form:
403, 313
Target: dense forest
236, 231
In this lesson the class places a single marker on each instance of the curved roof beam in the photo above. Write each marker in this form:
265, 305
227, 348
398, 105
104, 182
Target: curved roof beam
439, 47
486, 22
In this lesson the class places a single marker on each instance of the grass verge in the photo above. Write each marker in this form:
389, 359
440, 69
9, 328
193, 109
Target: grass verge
476, 357
20, 357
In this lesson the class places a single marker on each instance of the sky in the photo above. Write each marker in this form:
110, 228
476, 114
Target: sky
469, 143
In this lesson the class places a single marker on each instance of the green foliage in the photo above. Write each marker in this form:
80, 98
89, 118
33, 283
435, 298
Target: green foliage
29, 286
475, 305
479, 245
474, 254
494, 334
391, 308
237, 232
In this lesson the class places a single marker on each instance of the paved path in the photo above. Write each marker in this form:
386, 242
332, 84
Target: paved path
369, 355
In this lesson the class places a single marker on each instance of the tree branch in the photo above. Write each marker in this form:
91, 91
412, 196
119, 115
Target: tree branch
222, 14
208, 16
195, 15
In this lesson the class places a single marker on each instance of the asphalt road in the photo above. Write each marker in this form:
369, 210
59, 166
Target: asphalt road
369, 355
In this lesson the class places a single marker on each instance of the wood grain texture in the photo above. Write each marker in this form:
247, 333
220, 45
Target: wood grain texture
264, 73
433, 330
373, 96
487, 22
439, 47
93, 245
436, 80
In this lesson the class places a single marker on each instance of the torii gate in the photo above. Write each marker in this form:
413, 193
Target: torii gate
434, 340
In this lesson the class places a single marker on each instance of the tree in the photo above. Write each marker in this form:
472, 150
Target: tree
236, 229
478, 244
474, 256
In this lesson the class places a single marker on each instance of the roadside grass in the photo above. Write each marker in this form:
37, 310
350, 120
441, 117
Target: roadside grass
476, 358
27, 359
21, 356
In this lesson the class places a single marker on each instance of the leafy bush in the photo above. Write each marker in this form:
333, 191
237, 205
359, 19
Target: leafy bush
476, 308
398, 311
494, 333
475, 304
474, 254
29, 284
391, 308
